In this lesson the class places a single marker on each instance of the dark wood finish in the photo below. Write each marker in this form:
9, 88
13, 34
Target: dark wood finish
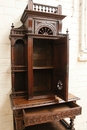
40, 69
61, 64
19, 101
31, 112
30, 68
50, 113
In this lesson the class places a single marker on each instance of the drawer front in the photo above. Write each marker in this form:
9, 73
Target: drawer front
56, 115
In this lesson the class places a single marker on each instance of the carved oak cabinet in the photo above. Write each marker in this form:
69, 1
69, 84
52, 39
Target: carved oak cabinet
40, 69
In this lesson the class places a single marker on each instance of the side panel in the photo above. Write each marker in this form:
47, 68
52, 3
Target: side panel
61, 64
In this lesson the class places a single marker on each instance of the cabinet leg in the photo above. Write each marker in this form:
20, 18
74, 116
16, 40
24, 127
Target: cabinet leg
72, 124
68, 126
18, 124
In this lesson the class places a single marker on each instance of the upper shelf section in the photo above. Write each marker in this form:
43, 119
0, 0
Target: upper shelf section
39, 19
44, 11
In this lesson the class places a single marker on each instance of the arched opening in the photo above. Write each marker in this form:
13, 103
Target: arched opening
19, 52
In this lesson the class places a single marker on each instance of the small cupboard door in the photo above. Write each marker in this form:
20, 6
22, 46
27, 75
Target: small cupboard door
61, 67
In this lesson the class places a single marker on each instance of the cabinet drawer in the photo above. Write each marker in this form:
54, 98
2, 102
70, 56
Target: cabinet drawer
44, 114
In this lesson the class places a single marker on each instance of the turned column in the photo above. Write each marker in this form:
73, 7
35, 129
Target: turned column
72, 123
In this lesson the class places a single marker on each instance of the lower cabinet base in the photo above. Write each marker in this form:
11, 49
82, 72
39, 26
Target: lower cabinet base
29, 116
60, 125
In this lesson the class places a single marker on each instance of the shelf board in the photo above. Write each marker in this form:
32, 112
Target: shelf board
19, 68
43, 67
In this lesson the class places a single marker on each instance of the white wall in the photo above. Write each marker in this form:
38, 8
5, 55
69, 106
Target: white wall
10, 12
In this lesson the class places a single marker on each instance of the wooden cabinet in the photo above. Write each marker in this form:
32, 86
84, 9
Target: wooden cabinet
40, 68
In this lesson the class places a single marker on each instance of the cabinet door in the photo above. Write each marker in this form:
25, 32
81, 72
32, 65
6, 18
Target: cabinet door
61, 66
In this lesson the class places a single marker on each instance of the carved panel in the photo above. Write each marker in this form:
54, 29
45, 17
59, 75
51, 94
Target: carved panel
32, 119
45, 31
43, 23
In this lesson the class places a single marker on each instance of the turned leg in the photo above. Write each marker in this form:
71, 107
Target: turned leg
72, 124
18, 124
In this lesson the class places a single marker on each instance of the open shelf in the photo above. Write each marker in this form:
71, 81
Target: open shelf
43, 80
42, 53
20, 81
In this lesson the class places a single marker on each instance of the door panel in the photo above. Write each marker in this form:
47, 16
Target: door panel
61, 63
